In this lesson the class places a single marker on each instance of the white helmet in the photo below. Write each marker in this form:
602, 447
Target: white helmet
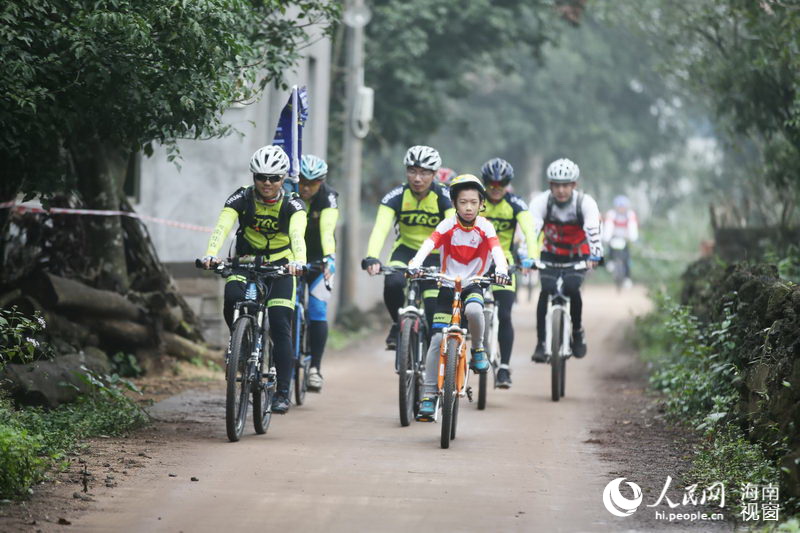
269, 159
423, 157
563, 171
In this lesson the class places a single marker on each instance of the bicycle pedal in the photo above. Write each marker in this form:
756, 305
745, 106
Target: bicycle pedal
426, 419
469, 393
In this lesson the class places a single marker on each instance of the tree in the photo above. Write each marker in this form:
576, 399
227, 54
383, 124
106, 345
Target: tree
87, 83
594, 98
741, 59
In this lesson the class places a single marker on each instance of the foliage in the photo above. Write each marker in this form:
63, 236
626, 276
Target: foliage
594, 96
126, 365
730, 457
740, 59
418, 51
19, 465
48, 436
18, 337
130, 73
788, 263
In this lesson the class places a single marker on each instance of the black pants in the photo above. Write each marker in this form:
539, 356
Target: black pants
282, 292
395, 283
572, 289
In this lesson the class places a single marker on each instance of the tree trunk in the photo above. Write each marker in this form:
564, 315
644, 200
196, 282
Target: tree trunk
534, 167
101, 169
69, 294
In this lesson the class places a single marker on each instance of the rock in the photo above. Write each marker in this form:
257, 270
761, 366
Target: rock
50, 383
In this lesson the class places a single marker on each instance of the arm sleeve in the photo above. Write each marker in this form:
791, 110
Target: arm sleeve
327, 228
225, 223
591, 225
538, 212
500, 263
421, 254
383, 224
525, 220
297, 235
633, 227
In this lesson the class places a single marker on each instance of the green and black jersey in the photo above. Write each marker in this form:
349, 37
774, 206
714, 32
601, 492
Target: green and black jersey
323, 212
276, 230
505, 215
414, 219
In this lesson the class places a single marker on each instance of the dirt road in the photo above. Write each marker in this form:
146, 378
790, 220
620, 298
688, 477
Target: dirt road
342, 462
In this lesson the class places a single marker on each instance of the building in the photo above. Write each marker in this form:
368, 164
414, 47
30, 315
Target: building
208, 171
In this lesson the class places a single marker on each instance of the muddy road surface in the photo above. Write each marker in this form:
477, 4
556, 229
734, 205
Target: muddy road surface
342, 462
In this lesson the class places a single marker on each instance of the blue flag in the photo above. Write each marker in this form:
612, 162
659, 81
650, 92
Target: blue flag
289, 133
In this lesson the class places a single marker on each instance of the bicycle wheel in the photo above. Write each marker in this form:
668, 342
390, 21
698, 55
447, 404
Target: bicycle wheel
449, 393
406, 343
563, 375
302, 364
492, 349
238, 378
262, 402
556, 361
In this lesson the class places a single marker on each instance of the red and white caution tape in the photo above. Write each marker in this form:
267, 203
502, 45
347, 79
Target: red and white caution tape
101, 212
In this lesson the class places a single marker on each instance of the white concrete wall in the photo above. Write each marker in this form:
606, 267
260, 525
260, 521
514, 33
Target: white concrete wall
211, 170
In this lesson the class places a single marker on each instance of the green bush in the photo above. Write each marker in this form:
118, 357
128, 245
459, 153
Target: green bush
33, 439
20, 466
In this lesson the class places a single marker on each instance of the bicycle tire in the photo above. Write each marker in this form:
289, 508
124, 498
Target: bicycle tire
563, 375
454, 424
406, 342
490, 347
449, 393
556, 360
301, 364
262, 401
238, 378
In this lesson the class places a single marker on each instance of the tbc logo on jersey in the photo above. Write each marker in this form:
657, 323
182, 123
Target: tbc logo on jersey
616, 503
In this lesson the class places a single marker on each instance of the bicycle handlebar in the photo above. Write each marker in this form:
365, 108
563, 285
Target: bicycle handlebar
247, 262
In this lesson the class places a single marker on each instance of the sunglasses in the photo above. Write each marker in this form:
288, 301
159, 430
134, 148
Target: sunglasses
272, 178
503, 183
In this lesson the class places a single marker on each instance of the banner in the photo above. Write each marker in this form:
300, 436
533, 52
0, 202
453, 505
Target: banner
289, 133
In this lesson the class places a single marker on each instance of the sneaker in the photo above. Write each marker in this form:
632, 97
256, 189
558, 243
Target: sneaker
427, 409
578, 343
504, 377
479, 362
314, 380
280, 403
538, 354
391, 339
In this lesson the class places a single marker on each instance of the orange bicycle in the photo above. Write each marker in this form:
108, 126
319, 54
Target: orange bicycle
453, 376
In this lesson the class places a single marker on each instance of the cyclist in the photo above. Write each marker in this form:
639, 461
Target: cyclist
416, 208
508, 213
621, 224
272, 223
466, 241
445, 175
571, 223
323, 212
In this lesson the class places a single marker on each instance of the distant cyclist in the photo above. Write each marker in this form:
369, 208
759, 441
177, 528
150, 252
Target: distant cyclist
507, 212
445, 175
468, 245
415, 208
620, 228
571, 223
323, 212
272, 223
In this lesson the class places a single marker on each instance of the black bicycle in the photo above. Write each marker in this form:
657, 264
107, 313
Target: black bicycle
249, 363
412, 345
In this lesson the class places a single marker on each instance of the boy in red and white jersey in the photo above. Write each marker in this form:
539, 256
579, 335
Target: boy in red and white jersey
468, 245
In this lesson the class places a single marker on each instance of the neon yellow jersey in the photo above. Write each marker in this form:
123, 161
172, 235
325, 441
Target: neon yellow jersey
505, 215
414, 219
275, 230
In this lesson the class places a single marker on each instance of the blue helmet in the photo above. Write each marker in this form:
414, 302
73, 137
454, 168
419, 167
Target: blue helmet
497, 170
622, 201
313, 167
